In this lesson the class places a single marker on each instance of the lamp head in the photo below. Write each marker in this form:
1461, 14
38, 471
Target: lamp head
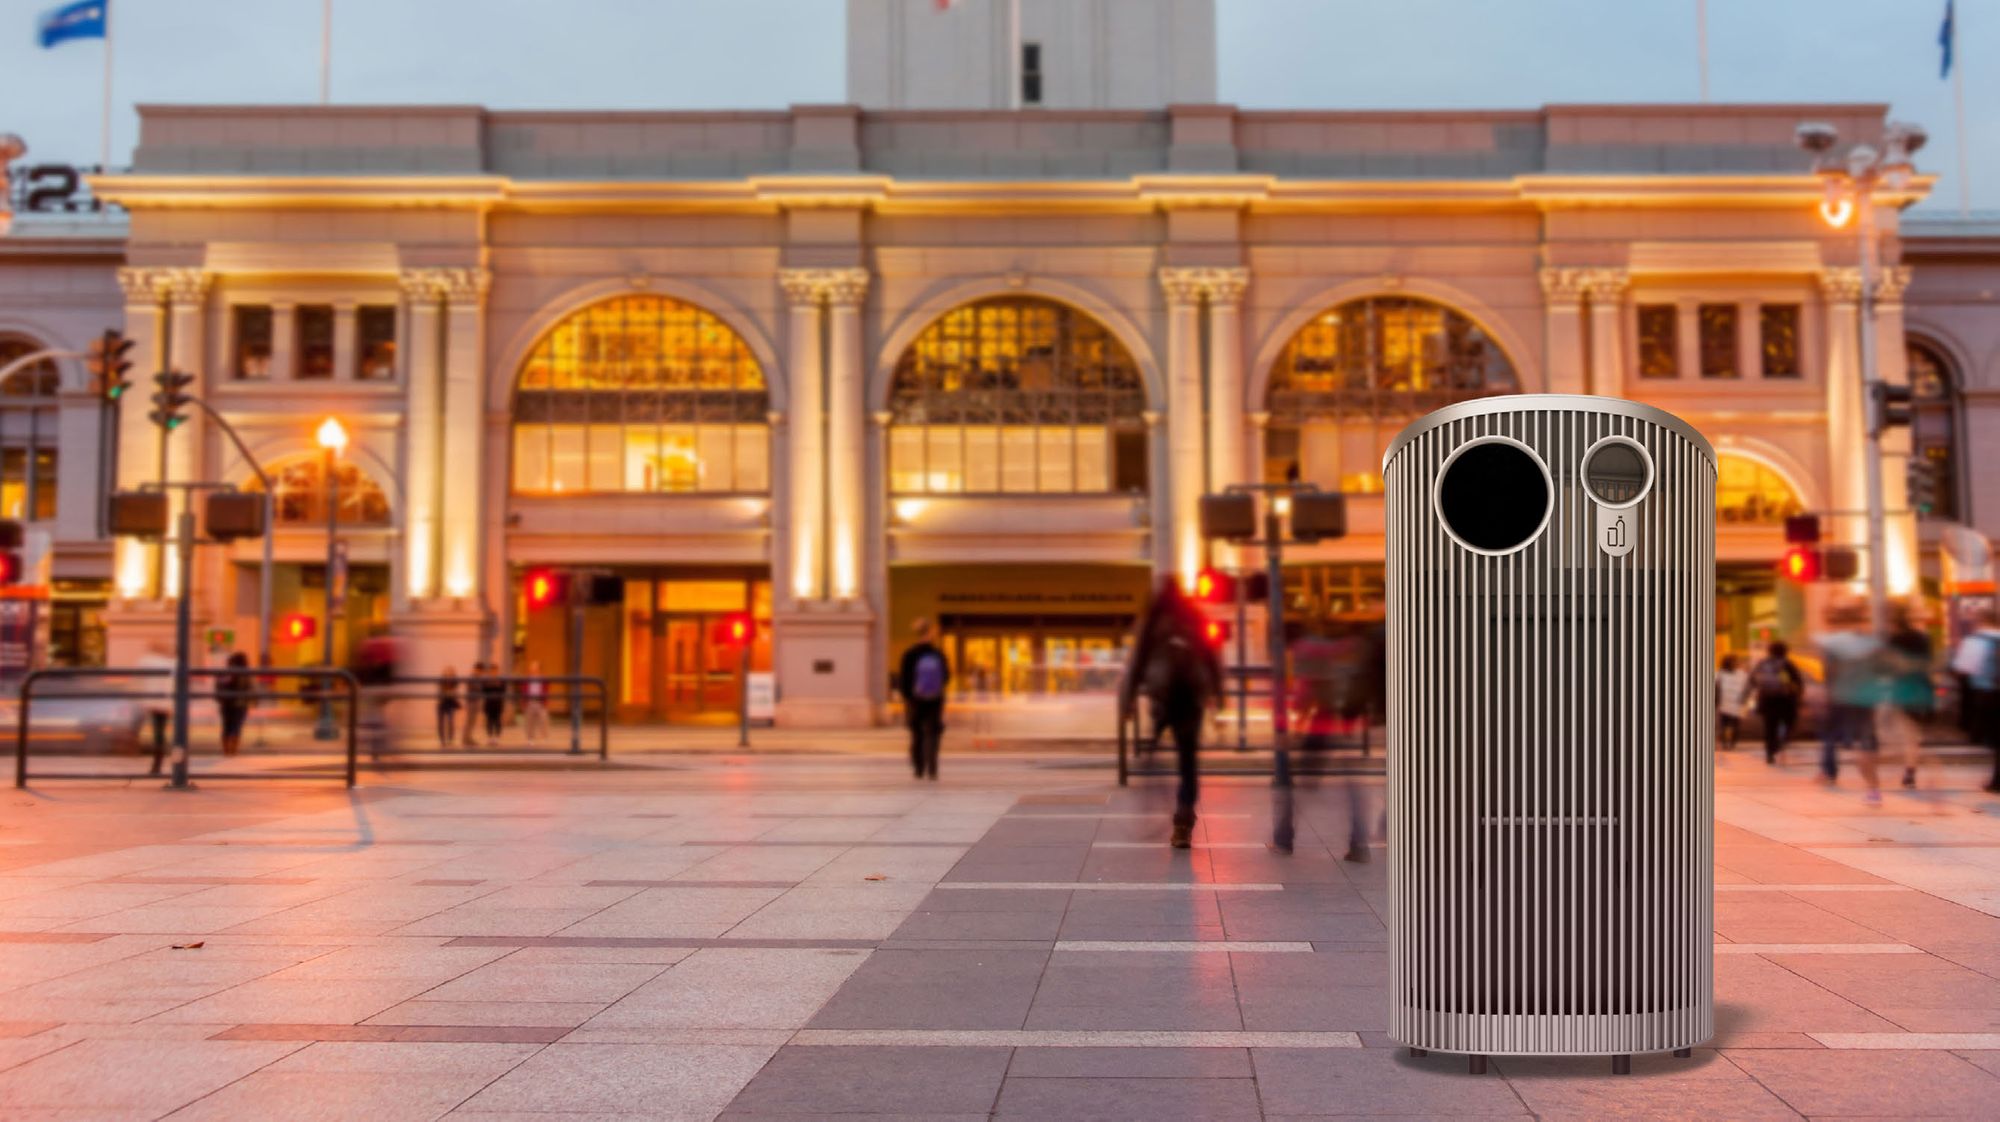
1906, 139
331, 435
1816, 137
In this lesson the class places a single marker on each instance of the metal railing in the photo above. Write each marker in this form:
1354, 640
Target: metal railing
24, 721
1143, 755
594, 690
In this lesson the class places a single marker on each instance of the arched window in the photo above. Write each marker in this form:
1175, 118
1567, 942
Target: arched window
641, 394
1751, 493
299, 494
1934, 424
28, 460
1017, 395
1357, 372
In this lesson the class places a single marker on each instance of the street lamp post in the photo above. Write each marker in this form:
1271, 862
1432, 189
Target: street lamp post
1850, 185
332, 438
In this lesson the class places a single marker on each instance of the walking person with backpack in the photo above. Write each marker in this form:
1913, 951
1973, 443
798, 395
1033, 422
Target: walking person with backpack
1911, 698
1855, 685
1732, 696
1173, 661
921, 679
1777, 683
1977, 661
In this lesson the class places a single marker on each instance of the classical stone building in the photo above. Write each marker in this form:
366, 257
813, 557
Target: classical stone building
846, 367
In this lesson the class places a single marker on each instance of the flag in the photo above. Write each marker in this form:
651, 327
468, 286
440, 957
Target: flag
945, 5
83, 19
1946, 36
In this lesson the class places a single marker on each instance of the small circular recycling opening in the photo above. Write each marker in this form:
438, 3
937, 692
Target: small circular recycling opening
1617, 472
1494, 495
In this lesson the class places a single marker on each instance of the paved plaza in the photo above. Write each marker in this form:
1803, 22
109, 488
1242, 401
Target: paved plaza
816, 936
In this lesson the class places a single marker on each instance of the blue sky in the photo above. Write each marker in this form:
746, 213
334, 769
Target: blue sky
766, 53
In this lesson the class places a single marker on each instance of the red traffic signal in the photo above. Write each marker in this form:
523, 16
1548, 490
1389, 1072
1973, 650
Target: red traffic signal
10, 567
298, 627
545, 587
1213, 586
1800, 565
1216, 632
736, 629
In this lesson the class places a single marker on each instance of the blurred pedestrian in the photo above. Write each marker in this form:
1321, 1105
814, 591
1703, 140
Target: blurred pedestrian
493, 702
233, 692
1853, 658
447, 707
475, 687
1911, 698
1732, 697
1172, 659
1977, 660
921, 678
1777, 684
535, 705
374, 669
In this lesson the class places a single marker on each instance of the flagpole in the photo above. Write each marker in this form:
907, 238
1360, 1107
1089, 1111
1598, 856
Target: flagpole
1013, 67
1701, 43
325, 51
1958, 109
104, 134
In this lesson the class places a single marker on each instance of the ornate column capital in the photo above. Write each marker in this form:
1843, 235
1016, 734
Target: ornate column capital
1841, 284
156, 283
143, 284
463, 285
846, 287
836, 286
1182, 285
1894, 281
801, 285
1225, 286
1607, 284
188, 286
1564, 285
421, 284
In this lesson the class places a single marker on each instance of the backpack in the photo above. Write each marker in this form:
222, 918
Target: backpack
1770, 678
927, 682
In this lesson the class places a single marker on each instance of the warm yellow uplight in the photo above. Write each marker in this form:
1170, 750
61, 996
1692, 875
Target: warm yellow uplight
331, 435
1836, 211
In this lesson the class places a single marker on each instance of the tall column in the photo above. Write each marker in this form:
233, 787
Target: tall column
1846, 419
186, 461
1562, 311
1226, 462
343, 341
138, 438
464, 428
1159, 506
1607, 336
805, 413
1185, 456
847, 449
1892, 365
284, 342
423, 470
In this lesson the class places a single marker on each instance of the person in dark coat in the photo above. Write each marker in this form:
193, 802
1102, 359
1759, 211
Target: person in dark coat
232, 701
1777, 684
1173, 662
921, 679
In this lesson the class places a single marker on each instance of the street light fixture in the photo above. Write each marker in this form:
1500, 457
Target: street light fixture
1850, 183
332, 441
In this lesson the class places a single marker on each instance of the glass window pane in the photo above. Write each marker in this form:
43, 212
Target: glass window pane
982, 460
642, 458
906, 459
1058, 461
606, 458
1718, 341
253, 340
45, 483
375, 330
753, 458
716, 446
1017, 460
1093, 460
314, 352
1778, 331
566, 458
945, 470
679, 465
1659, 341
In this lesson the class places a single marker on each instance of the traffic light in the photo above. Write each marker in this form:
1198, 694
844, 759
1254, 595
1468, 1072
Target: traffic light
1892, 405
297, 628
546, 587
1800, 564
1216, 631
170, 404
1318, 515
12, 534
1257, 587
1839, 563
1213, 586
1802, 529
1923, 483
737, 629
109, 366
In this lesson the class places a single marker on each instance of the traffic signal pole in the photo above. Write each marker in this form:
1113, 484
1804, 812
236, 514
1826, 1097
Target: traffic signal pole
183, 625
1878, 557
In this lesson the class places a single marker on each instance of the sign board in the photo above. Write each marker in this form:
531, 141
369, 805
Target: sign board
221, 638
337, 579
761, 695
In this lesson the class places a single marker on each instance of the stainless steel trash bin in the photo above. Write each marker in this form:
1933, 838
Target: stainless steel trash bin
1551, 624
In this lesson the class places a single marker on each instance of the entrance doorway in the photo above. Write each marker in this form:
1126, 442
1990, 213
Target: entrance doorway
1013, 655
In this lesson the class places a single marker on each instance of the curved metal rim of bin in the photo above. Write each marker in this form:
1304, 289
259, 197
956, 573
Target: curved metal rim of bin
1514, 403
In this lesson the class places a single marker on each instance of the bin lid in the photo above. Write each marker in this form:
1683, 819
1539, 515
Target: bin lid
1543, 403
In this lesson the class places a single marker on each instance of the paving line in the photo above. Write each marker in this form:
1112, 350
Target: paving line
1068, 1038
1241, 946
1813, 888
1100, 886
1109, 814
1156, 845
1914, 1041
1816, 948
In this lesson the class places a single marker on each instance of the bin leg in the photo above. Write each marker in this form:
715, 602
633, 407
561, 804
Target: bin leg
1477, 1065
1683, 1053
1621, 1065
